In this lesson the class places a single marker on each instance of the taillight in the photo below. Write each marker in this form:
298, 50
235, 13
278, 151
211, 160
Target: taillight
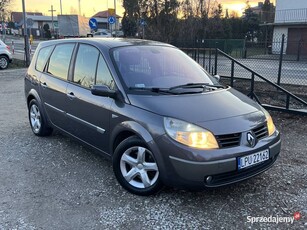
8, 48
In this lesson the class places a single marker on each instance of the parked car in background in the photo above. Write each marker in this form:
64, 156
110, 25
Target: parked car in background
6, 56
118, 33
102, 34
160, 117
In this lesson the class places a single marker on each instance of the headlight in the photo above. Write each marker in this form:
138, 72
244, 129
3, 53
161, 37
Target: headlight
270, 123
189, 134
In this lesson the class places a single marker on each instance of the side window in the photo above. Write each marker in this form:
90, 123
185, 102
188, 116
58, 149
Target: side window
85, 67
60, 60
42, 58
103, 74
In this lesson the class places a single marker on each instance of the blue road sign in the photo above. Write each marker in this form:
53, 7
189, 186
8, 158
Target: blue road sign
93, 23
111, 19
142, 22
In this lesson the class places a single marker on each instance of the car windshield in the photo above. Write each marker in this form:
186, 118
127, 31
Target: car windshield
161, 67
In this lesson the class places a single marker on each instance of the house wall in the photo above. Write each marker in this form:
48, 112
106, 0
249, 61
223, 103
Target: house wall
291, 20
277, 38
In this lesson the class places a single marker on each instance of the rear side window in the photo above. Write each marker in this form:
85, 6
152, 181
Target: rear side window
85, 67
60, 60
42, 58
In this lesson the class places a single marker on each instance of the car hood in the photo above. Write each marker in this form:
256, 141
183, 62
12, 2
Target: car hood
228, 108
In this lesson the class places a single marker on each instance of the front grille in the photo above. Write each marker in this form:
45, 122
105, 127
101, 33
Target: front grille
229, 140
261, 131
233, 140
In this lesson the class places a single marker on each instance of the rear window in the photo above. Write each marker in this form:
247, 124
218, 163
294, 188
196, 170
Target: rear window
60, 60
42, 58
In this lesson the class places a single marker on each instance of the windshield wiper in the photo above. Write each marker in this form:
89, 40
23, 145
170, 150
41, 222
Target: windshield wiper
153, 89
196, 85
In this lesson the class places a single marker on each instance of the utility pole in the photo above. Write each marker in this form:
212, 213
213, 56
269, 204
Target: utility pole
115, 14
79, 7
25, 31
61, 6
52, 10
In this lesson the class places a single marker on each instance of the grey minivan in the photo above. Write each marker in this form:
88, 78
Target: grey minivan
159, 116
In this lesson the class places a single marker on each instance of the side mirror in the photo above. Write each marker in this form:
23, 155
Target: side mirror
217, 77
104, 91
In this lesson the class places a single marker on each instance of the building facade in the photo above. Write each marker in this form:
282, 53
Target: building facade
35, 23
291, 20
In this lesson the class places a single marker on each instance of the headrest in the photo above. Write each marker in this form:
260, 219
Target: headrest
129, 57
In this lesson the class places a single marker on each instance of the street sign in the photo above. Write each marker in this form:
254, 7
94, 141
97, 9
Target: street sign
30, 22
111, 19
142, 22
93, 23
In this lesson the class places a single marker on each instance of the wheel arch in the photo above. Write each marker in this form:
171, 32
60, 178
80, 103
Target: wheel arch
132, 128
5, 55
127, 129
33, 95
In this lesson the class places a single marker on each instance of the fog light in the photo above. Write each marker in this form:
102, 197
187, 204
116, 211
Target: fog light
208, 179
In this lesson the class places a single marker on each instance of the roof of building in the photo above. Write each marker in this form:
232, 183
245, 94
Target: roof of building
18, 16
104, 14
42, 18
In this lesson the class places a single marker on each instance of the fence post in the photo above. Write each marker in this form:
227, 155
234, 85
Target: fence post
281, 58
232, 73
215, 64
299, 50
210, 51
252, 93
204, 55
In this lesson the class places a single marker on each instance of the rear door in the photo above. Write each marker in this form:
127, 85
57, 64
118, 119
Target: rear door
89, 115
53, 84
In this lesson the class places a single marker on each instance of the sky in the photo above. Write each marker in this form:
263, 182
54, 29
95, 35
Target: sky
91, 7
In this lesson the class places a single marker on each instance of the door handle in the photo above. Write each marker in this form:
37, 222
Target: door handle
71, 95
44, 85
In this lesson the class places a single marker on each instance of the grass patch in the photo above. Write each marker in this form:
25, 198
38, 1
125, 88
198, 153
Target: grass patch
17, 64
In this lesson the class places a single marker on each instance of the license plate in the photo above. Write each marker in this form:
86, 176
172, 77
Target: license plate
253, 159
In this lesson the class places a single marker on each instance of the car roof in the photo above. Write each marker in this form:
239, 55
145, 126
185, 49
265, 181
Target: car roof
108, 42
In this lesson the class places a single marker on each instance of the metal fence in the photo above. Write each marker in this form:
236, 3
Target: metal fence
277, 60
264, 71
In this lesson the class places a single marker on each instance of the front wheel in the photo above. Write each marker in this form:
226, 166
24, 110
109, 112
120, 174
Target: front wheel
135, 167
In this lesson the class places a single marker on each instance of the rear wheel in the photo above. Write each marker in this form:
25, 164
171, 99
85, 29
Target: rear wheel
4, 62
37, 120
135, 167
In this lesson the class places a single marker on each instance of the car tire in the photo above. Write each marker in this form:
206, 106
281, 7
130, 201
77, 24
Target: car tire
135, 167
4, 62
37, 120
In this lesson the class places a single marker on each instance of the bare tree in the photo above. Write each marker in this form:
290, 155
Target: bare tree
4, 8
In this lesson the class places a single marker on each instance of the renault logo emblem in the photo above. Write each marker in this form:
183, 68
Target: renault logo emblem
251, 139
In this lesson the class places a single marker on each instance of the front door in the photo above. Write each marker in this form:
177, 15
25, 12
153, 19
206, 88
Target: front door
89, 115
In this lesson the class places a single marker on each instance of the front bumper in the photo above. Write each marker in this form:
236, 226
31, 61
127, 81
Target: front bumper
187, 173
